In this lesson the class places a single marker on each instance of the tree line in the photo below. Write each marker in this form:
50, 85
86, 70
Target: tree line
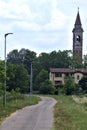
19, 68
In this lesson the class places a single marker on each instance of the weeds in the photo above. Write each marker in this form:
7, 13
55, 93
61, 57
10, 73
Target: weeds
69, 115
14, 103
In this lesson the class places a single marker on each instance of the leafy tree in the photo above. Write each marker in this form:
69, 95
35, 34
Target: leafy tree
24, 56
13, 57
43, 61
1, 76
76, 62
17, 78
60, 59
40, 78
59, 89
30, 56
85, 61
47, 87
83, 84
69, 86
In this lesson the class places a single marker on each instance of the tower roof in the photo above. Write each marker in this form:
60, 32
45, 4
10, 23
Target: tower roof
78, 20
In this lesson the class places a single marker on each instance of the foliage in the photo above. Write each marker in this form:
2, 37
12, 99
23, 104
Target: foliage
76, 62
46, 87
69, 115
83, 84
1, 77
60, 59
59, 89
69, 86
13, 57
40, 78
24, 56
30, 56
17, 78
85, 61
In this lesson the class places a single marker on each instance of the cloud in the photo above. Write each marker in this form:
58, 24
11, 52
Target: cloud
58, 20
43, 14
15, 10
26, 26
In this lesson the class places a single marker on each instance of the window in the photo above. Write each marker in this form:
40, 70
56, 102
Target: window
58, 82
78, 77
78, 38
58, 75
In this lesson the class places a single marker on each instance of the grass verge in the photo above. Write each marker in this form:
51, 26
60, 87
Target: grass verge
69, 115
14, 103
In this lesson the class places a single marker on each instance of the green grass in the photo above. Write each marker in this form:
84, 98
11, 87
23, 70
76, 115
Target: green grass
14, 103
69, 115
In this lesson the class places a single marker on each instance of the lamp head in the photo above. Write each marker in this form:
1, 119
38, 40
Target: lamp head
8, 34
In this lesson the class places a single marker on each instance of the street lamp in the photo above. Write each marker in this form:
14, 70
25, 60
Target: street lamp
31, 86
4, 97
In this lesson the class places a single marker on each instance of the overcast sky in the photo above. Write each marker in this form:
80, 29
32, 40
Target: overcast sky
40, 25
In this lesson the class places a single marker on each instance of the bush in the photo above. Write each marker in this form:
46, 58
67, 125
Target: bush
83, 84
40, 78
69, 86
59, 89
47, 87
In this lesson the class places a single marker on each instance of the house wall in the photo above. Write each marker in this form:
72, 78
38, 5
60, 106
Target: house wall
77, 77
61, 79
57, 79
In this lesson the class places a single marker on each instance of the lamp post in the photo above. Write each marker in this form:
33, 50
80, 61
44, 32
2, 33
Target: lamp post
31, 86
4, 96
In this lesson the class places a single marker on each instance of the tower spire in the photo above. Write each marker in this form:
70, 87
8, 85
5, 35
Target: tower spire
78, 20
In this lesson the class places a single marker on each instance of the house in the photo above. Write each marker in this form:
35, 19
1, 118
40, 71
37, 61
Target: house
59, 75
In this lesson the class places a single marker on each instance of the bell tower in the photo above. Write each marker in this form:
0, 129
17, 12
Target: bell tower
78, 38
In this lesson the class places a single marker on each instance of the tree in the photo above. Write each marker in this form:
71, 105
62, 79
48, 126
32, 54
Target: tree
1, 76
24, 56
69, 86
40, 78
43, 61
76, 62
85, 61
46, 87
13, 57
60, 59
83, 84
30, 56
17, 78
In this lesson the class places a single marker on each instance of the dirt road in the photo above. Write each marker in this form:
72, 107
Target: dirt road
37, 117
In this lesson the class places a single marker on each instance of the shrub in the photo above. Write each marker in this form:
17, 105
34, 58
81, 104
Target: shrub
69, 86
83, 84
47, 87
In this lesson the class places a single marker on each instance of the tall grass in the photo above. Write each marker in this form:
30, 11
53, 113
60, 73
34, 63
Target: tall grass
69, 115
15, 102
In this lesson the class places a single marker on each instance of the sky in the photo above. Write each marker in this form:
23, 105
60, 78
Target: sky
40, 25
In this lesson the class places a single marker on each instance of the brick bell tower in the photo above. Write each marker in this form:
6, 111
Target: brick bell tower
78, 39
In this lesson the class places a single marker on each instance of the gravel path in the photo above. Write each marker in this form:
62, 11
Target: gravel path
36, 117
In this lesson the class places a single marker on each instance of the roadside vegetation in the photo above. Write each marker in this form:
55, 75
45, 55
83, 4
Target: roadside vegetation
70, 114
15, 101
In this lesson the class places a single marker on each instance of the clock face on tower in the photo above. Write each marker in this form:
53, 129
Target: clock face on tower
78, 38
